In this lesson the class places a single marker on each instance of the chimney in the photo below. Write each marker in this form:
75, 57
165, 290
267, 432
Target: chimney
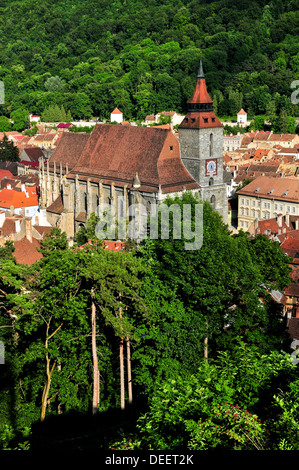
28, 229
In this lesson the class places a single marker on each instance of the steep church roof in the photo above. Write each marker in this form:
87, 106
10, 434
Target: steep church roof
68, 150
117, 153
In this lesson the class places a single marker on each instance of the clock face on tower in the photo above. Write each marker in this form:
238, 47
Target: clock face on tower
211, 167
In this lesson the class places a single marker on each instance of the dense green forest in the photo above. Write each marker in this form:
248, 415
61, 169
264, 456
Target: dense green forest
90, 56
189, 348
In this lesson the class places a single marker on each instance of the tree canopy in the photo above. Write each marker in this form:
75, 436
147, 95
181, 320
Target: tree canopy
143, 57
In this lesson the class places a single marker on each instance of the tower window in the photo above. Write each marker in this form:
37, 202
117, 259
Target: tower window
171, 147
211, 145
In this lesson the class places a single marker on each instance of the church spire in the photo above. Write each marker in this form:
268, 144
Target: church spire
200, 73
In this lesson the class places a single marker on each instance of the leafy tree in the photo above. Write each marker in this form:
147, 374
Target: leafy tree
5, 125
20, 119
221, 284
54, 83
8, 151
227, 404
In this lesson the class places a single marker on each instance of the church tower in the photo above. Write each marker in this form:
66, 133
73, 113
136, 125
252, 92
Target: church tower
201, 146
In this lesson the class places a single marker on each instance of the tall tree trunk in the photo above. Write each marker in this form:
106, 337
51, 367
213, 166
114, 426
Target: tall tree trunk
122, 368
130, 391
96, 372
205, 353
122, 375
49, 373
47, 388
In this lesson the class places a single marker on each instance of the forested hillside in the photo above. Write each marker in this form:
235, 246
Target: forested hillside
143, 56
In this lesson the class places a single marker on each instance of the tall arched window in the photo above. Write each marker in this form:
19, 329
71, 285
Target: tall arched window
211, 181
213, 201
211, 144
84, 201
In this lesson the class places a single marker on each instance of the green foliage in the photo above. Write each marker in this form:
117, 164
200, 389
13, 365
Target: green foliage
8, 151
5, 125
54, 113
220, 406
143, 58
20, 119
221, 284
87, 233
54, 83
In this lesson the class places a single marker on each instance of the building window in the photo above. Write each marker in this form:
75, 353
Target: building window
247, 202
293, 209
281, 207
275, 207
242, 211
242, 201
205, 120
84, 201
288, 208
242, 223
171, 147
247, 211
253, 203
211, 182
211, 145
148, 207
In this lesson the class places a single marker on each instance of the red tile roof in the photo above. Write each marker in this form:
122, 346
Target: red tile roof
117, 153
200, 94
31, 164
26, 251
68, 149
64, 125
9, 227
280, 137
268, 187
293, 328
115, 246
261, 135
34, 153
194, 120
57, 206
242, 111
10, 197
5, 174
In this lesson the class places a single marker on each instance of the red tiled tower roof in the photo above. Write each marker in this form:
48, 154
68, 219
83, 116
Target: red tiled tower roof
200, 106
